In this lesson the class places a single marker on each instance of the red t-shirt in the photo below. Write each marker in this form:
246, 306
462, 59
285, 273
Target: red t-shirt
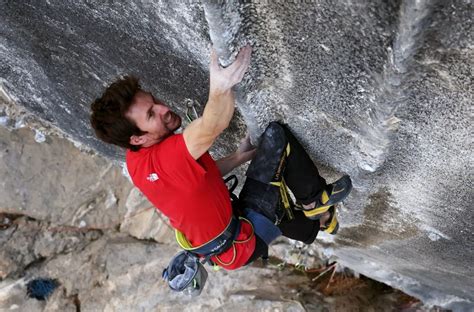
191, 193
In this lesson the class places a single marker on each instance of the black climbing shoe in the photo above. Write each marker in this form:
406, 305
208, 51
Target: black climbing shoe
334, 194
338, 191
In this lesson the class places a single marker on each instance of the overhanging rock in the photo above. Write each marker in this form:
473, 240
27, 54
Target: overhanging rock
377, 90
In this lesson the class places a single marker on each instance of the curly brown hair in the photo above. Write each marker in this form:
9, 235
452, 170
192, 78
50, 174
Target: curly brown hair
108, 113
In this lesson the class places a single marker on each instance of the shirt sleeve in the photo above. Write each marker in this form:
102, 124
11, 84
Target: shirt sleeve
174, 160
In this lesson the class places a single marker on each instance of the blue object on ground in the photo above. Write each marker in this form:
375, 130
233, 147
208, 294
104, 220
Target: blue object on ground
41, 288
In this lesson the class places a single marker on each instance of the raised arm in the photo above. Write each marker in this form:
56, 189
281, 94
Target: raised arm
202, 132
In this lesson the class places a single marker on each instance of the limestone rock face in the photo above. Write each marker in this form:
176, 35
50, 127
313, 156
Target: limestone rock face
57, 183
379, 90
117, 273
143, 221
28, 242
119, 268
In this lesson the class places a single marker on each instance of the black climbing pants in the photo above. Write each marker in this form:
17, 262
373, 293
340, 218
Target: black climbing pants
271, 164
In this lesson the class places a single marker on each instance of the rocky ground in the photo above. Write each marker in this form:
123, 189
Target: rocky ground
73, 216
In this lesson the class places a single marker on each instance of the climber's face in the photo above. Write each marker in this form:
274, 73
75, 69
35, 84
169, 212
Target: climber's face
152, 117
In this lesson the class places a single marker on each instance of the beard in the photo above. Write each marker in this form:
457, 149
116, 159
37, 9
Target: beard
174, 122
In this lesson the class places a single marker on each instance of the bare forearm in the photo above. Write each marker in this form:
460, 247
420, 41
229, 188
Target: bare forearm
218, 111
228, 163
244, 153
200, 134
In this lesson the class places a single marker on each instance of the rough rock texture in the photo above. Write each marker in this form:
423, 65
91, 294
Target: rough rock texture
28, 242
117, 273
104, 270
379, 90
74, 198
48, 182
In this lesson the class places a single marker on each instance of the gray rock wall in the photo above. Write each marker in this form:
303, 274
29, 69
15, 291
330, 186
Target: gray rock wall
104, 267
51, 48
379, 90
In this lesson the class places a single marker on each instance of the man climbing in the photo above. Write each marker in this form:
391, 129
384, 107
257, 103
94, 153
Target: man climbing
177, 174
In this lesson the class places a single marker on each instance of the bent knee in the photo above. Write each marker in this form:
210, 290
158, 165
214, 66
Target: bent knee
275, 124
273, 129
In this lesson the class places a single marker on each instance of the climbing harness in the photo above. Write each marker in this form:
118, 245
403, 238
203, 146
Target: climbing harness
185, 272
217, 245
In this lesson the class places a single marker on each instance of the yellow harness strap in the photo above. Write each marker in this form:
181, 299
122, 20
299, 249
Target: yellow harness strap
284, 189
186, 245
284, 196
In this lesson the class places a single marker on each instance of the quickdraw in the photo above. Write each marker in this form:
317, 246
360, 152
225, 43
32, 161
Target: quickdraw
191, 112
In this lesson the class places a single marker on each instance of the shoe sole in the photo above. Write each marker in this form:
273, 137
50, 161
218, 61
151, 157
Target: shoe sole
341, 189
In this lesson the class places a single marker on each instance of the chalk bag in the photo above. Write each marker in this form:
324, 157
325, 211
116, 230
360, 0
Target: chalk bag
185, 274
